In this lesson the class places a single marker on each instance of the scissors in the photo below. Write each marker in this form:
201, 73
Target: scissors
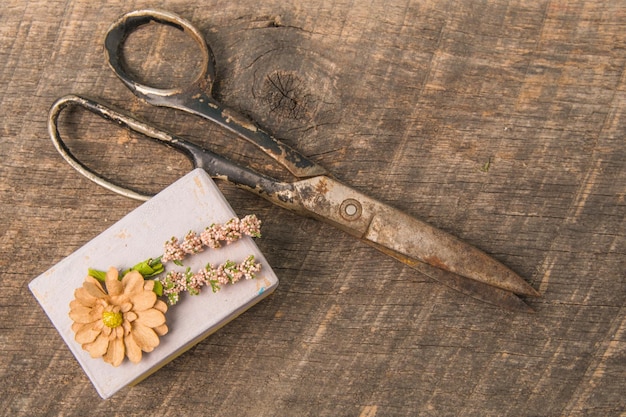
314, 192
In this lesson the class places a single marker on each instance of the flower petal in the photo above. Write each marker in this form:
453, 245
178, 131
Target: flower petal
115, 352
145, 337
114, 286
130, 316
95, 281
133, 351
86, 334
133, 282
148, 285
119, 332
93, 287
151, 317
85, 298
161, 330
80, 313
86, 316
98, 347
76, 304
127, 328
161, 306
77, 326
143, 300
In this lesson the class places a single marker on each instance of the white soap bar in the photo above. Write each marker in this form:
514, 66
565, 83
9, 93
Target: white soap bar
191, 203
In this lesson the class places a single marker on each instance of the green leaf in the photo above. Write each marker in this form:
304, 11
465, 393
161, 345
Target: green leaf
99, 275
177, 262
214, 285
148, 268
158, 288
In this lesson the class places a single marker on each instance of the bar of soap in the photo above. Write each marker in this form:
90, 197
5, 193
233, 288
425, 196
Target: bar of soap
191, 203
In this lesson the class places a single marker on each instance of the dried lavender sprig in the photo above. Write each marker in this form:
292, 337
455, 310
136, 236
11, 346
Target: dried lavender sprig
211, 237
227, 273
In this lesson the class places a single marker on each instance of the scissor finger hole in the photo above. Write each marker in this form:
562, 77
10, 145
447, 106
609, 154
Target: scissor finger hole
119, 155
161, 56
154, 50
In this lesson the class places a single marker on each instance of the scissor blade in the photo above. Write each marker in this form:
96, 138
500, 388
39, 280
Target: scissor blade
475, 289
387, 227
418, 240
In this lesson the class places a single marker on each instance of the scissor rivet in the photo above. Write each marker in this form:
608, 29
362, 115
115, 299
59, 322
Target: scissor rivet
350, 209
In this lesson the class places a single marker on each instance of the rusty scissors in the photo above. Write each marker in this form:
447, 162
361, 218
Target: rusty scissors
314, 193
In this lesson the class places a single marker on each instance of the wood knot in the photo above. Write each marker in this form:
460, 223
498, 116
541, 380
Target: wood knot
286, 95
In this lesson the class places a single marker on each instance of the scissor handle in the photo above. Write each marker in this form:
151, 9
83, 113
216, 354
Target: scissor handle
217, 166
195, 97
125, 25
53, 130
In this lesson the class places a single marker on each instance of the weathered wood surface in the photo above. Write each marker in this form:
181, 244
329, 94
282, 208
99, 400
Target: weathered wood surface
502, 122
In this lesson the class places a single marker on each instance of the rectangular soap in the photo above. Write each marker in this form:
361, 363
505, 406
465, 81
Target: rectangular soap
191, 203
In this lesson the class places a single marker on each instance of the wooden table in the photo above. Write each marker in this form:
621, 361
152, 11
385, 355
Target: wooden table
502, 122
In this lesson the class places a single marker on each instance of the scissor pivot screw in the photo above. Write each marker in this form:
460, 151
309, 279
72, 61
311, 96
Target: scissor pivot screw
350, 209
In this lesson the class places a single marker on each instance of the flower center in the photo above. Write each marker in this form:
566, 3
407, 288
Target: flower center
112, 319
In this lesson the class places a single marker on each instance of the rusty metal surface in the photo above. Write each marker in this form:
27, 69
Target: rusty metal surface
376, 222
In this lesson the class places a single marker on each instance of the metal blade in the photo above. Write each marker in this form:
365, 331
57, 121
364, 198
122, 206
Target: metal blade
482, 292
386, 227
415, 239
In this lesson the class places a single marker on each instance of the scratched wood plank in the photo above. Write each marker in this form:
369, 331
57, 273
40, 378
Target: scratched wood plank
499, 121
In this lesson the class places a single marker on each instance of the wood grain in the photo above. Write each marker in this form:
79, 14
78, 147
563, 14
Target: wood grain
501, 122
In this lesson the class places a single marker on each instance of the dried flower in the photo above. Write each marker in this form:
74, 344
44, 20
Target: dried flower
172, 251
211, 237
124, 320
250, 226
227, 273
192, 243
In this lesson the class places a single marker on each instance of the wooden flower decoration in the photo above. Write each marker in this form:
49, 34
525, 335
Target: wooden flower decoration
124, 320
